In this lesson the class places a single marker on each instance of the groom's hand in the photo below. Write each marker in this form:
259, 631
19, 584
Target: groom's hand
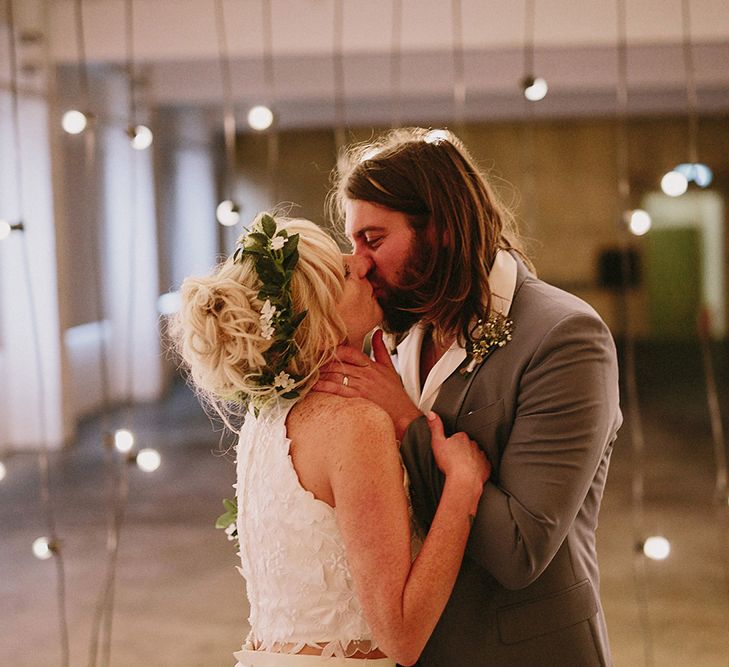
354, 374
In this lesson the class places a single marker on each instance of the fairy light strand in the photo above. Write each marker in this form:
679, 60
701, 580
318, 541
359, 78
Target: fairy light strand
90, 214
129, 39
229, 123
272, 143
459, 69
529, 21
529, 130
692, 99
712, 397
340, 110
396, 63
81, 54
117, 469
635, 419
43, 455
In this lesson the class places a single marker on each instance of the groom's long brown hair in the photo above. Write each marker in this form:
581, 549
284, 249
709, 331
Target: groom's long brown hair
430, 176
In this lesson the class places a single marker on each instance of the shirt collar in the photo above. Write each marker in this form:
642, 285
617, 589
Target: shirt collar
502, 282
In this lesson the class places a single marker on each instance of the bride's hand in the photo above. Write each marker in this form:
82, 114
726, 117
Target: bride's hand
459, 458
353, 373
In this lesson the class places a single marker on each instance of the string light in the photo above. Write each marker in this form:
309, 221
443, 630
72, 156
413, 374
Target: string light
169, 303
436, 136
3, 471
260, 117
75, 121
459, 68
639, 222
46, 497
696, 172
396, 63
148, 460
141, 137
228, 213
535, 88
43, 548
7, 227
272, 147
123, 440
656, 547
627, 361
674, 184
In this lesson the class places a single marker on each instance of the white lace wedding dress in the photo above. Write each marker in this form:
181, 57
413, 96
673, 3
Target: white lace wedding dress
292, 554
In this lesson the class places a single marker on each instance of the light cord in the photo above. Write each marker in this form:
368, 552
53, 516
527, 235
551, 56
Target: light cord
459, 69
528, 141
635, 418
396, 63
272, 143
340, 110
43, 455
229, 123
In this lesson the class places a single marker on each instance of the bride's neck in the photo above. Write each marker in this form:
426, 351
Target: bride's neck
356, 343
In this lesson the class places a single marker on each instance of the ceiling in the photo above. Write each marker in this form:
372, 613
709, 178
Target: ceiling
176, 48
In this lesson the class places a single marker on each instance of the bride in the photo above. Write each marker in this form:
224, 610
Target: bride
323, 514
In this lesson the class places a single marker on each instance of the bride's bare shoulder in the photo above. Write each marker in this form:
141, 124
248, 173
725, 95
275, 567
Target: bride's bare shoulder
331, 414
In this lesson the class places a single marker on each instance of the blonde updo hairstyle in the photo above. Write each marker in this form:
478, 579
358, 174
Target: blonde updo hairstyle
217, 331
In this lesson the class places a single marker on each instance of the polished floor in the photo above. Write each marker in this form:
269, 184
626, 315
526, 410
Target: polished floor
179, 601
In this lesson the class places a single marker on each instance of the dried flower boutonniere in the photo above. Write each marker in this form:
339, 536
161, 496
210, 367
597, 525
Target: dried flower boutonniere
485, 338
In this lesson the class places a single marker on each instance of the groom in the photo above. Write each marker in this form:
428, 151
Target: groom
527, 370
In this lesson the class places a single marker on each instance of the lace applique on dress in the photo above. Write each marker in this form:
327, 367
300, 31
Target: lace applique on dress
292, 553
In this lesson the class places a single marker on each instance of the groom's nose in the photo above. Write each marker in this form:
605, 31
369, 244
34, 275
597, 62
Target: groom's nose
359, 265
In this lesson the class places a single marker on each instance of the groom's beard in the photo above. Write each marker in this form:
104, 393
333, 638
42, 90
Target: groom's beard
402, 306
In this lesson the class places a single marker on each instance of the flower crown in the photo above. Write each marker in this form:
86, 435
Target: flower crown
275, 255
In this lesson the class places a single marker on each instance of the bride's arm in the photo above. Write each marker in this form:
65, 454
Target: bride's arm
402, 601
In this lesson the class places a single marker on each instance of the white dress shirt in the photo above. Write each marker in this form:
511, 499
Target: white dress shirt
502, 281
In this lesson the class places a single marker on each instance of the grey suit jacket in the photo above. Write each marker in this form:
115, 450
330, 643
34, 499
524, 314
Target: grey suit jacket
544, 408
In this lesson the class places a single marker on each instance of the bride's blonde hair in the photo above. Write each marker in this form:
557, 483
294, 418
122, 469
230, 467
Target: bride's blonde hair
217, 331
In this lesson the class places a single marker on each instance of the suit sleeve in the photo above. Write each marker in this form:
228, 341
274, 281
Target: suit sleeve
566, 416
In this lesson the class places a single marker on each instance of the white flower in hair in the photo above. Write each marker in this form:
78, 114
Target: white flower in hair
267, 313
284, 380
278, 242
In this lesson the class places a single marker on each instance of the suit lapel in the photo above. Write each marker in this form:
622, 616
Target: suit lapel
455, 388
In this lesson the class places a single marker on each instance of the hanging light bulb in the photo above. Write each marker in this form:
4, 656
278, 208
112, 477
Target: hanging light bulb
697, 172
260, 117
123, 440
148, 460
7, 227
141, 137
702, 175
43, 548
535, 88
169, 303
656, 547
3, 471
436, 136
228, 213
674, 184
639, 222
74, 121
